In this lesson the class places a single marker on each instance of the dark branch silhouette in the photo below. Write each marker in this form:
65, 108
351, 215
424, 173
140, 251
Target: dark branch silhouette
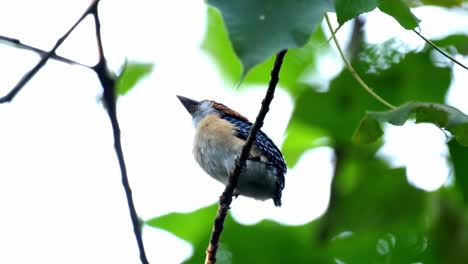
18, 44
226, 197
25, 79
109, 98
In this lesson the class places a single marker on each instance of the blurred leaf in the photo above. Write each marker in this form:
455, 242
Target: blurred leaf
450, 234
131, 74
383, 217
443, 116
349, 9
300, 138
265, 242
298, 63
369, 130
459, 157
459, 42
400, 11
216, 43
259, 29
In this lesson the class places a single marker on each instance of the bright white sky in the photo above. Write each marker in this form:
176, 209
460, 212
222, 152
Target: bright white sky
60, 192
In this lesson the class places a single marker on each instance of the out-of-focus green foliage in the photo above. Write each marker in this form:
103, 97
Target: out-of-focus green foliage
264, 242
443, 3
374, 215
443, 116
459, 156
258, 29
131, 74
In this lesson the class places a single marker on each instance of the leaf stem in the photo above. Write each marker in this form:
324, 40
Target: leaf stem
351, 69
432, 44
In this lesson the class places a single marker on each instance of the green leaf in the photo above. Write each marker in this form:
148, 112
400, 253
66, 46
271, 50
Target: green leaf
131, 74
443, 116
459, 42
370, 131
268, 240
400, 11
259, 29
349, 9
459, 157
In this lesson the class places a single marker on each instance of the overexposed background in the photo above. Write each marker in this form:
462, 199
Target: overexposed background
61, 198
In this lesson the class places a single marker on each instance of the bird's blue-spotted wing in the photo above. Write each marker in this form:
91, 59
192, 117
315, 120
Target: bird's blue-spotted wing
262, 142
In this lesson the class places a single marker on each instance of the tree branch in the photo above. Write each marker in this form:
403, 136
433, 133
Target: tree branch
25, 79
42, 53
109, 99
226, 197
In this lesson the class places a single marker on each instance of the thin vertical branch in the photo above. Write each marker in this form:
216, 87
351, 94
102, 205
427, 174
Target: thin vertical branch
226, 197
109, 98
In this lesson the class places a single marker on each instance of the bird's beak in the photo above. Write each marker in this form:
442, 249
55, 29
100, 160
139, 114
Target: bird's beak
189, 104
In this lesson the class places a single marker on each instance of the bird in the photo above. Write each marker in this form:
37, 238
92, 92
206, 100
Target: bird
220, 134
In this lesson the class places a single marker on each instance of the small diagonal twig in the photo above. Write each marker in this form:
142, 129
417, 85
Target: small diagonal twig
432, 44
351, 69
226, 198
25, 79
109, 98
17, 43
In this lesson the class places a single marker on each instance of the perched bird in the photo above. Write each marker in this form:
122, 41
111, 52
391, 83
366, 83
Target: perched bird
220, 135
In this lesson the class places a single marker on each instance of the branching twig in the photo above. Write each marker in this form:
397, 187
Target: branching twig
109, 98
432, 44
226, 198
25, 79
351, 69
42, 53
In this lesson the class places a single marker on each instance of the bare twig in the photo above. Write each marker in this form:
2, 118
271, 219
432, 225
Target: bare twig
432, 44
226, 198
18, 44
109, 98
25, 79
351, 69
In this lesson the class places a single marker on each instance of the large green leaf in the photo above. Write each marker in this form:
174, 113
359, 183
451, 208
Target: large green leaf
444, 3
259, 29
400, 11
265, 242
131, 74
349, 9
443, 116
297, 63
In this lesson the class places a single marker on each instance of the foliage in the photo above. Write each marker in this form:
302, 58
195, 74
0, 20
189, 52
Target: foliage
131, 74
374, 215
